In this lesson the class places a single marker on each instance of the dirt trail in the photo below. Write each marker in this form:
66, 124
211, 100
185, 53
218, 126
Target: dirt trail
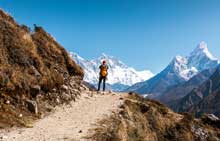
69, 122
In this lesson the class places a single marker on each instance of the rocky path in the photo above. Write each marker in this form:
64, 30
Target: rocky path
69, 122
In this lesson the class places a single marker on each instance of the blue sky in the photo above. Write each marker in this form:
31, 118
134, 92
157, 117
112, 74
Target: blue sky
145, 34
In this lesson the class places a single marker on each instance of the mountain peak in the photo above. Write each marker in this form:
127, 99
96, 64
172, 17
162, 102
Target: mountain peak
201, 58
179, 70
202, 50
104, 56
111, 60
202, 45
178, 61
119, 72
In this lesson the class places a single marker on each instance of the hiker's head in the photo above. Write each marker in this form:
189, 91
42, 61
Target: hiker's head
104, 62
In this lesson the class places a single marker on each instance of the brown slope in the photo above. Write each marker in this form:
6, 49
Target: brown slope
31, 63
147, 120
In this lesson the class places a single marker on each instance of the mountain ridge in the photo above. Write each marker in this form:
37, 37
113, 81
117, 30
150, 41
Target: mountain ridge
119, 73
178, 91
198, 100
179, 70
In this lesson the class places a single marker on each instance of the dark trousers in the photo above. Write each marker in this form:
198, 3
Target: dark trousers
100, 81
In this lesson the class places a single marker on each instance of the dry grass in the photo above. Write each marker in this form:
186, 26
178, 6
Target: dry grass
28, 60
149, 120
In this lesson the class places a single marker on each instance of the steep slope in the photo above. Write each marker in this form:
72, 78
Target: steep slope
209, 104
201, 58
147, 120
198, 96
120, 75
31, 64
178, 91
175, 73
180, 70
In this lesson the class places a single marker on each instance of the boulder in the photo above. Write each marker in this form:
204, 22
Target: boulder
32, 106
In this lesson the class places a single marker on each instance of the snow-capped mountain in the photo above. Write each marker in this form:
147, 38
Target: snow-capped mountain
180, 70
119, 73
198, 60
179, 66
201, 58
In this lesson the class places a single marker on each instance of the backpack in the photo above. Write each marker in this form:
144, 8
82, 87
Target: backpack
103, 71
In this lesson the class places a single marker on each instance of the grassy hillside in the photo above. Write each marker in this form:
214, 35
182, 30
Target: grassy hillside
32, 63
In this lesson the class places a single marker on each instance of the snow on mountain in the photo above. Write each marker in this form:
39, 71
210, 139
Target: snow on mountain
179, 65
201, 58
119, 73
180, 69
175, 73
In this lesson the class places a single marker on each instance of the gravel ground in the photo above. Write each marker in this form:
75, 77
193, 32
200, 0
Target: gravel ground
68, 122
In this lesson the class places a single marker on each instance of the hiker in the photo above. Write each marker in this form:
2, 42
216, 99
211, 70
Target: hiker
103, 74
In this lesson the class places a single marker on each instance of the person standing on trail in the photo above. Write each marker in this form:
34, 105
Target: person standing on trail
103, 74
